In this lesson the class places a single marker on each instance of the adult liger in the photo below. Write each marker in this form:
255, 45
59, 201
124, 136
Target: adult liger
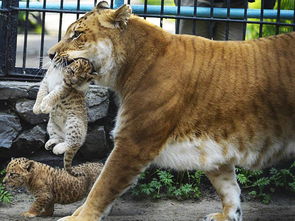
186, 103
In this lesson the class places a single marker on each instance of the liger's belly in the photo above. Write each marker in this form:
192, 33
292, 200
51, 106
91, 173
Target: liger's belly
207, 154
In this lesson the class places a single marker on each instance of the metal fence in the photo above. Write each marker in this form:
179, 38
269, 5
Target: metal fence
23, 50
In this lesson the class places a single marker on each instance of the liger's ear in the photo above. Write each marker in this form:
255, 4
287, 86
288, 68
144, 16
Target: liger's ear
121, 16
116, 18
102, 5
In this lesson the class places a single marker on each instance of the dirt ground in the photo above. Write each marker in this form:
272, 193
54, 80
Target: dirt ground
128, 209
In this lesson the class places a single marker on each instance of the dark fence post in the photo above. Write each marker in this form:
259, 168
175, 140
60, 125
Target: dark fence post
8, 36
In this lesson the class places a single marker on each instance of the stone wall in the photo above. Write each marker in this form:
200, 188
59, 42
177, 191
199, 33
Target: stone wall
22, 133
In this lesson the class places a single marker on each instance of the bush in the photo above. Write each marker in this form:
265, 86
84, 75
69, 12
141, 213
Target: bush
262, 184
258, 184
5, 196
158, 183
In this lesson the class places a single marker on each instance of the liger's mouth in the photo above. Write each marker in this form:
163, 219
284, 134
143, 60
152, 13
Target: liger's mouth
62, 61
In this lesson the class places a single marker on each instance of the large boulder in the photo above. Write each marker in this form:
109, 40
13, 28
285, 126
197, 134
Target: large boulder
96, 145
30, 141
9, 92
9, 128
98, 103
25, 110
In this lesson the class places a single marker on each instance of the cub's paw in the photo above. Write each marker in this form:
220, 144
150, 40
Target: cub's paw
60, 148
37, 109
45, 106
51, 143
29, 214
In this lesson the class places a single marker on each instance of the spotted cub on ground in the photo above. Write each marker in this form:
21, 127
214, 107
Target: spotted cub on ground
62, 95
50, 185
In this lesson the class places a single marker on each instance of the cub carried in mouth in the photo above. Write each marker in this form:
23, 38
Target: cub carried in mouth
62, 95
50, 185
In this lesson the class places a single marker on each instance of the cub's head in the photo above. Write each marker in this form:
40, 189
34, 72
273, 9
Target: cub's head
96, 37
18, 172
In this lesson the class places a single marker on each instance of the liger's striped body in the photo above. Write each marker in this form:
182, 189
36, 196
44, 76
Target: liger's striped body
186, 103
240, 101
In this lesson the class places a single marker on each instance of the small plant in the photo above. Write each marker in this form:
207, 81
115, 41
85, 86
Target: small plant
157, 183
263, 183
260, 184
5, 196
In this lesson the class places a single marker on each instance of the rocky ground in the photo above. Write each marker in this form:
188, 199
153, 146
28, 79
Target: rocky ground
128, 209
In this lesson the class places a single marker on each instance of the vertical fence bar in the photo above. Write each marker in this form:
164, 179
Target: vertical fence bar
145, 7
245, 18
42, 36
8, 37
211, 24
26, 37
228, 4
60, 20
161, 13
195, 15
278, 17
261, 18
177, 26
78, 8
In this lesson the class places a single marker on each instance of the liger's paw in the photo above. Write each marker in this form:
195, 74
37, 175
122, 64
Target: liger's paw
215, 217
67, 218
75, 218
60, 148
29, 214
222, 217
45, 106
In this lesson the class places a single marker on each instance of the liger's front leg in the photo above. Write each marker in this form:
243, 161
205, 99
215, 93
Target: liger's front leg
225, 183
123, 166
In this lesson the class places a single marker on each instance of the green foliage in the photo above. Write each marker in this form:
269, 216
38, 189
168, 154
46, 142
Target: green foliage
268, 30
263, 183
5, 196
259, 184
156, 183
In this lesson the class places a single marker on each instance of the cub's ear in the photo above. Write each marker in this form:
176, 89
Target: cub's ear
102, 5
29, 165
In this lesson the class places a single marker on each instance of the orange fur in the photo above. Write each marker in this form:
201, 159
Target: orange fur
186, 102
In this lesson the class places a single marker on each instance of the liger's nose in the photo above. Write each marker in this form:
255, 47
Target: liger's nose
51, 55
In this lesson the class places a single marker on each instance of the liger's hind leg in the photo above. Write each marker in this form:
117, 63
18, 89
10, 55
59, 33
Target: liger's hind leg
225, 183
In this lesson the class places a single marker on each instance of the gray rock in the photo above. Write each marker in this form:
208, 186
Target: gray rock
98, 103
9, 128
31, 140
25, 110
12, 92
96, 145
32, 92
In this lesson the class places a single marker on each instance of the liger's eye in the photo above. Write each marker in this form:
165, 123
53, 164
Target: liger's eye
76, 34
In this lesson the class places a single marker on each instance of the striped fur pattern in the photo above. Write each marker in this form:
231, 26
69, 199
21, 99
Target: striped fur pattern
186, 103
49, 185
65, 102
